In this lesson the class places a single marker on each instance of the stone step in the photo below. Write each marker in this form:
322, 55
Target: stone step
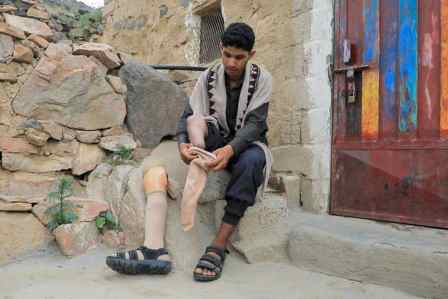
409, 258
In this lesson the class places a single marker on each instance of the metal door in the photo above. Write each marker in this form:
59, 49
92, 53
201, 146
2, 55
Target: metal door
390, 111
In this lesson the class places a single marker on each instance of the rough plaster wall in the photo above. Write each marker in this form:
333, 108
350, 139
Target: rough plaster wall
315, 103
294, 42
154, 31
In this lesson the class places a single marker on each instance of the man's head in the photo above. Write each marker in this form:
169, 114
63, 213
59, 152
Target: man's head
237, 44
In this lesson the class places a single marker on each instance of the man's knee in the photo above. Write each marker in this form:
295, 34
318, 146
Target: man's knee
155, 179
252, 158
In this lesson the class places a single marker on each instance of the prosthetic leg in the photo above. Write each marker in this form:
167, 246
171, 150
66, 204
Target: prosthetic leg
152, 257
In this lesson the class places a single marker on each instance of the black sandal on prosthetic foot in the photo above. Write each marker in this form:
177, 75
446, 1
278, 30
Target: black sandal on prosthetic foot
140, 261
211, 263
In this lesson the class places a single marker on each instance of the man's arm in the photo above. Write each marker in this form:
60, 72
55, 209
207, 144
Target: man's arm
255, 126
182, 133
183, 141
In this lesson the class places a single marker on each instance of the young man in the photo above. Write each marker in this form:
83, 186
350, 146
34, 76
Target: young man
226, 114
229, 107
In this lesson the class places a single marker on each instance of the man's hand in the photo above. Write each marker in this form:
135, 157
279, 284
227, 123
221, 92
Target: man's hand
185, 155
223, 156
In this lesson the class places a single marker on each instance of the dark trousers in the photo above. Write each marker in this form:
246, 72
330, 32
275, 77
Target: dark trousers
246, 171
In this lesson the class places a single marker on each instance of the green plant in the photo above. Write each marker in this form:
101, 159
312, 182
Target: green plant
61, 211
106, 221
123, 155
88, 24
124, 152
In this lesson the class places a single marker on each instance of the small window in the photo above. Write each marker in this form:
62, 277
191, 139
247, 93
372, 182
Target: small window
212, 27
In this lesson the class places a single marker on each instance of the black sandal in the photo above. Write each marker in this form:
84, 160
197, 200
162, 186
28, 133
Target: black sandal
211, 263
131, 262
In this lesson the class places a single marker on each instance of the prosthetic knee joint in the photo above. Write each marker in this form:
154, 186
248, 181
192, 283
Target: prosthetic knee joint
155, 180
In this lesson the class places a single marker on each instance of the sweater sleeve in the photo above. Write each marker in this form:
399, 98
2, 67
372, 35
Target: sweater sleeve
254, 128
182, 133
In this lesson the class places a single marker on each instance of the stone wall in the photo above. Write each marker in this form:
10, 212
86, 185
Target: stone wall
294, 42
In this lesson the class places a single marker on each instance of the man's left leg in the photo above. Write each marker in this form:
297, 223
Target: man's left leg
247, 176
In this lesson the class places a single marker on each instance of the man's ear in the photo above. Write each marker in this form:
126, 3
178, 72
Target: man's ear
252, 54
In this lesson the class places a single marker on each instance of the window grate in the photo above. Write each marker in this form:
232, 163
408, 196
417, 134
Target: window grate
212, 27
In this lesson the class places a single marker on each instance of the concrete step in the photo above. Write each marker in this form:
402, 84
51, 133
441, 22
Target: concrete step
408, 258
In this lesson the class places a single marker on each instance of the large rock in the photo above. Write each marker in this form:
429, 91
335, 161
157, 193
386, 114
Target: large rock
132, 209
70, 91
15, 206
122, 187
38, 12
154, 103
88, 136
89, 156
76, 238
53, 129
11, 31
36, 137
56, 156
17, 145
102, 52
6, 48
85, 208
23, 54
11, 78
262, 233
35, 49
116, 84
7, 8
21, 234
40, 41
34, 163
116, 143
115, 190
97, 181
58, 51
25, 186
29, 25
185, 247
26, 200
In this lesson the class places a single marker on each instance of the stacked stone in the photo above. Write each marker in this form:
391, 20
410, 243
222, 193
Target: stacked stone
61, 112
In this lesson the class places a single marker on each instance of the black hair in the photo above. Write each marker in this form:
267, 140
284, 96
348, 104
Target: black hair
238, 35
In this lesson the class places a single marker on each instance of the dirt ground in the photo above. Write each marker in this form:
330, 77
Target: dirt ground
50, 275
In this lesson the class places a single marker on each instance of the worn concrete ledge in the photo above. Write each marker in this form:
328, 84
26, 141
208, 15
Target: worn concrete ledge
408, 258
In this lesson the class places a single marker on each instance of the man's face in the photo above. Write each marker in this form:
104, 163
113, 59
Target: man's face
235, 60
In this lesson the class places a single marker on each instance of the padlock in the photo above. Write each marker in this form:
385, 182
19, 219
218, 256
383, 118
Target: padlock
351, 92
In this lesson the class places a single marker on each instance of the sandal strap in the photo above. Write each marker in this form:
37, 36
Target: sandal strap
220, 251
133, 255
152, 254
148, 254
209, 266
212, 259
